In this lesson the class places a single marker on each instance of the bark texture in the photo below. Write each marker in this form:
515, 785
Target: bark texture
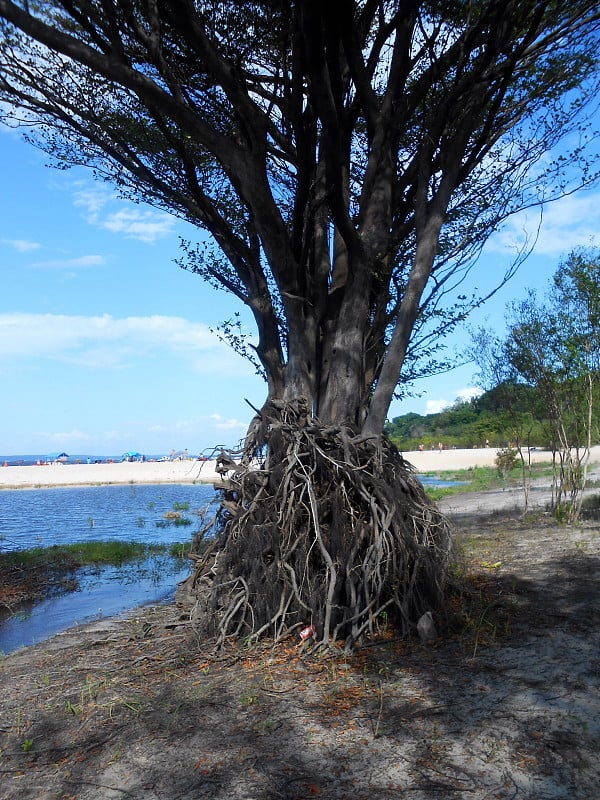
324, 534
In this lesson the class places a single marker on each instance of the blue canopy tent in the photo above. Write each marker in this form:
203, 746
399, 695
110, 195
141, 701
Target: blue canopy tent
58, 457
131, 455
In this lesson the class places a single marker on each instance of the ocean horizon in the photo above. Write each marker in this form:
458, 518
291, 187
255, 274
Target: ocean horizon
79, 458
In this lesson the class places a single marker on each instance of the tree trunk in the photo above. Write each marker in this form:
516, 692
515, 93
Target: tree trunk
316, 531
321, 526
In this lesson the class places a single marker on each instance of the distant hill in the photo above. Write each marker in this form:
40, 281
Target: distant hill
471, 423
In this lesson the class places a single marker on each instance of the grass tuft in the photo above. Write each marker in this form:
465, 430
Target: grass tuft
481, 479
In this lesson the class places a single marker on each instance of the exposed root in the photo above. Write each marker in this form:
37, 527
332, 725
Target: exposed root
324, 532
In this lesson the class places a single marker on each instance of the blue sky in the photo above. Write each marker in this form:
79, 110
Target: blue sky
105, 343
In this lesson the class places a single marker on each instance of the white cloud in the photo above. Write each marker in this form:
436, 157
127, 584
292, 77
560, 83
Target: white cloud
222, 424
21, 245
106, 342
93, 201
70, 437
104, 210
82, 262
147, 226
198, 435
468, 393
435, 406
571, 222
178, 427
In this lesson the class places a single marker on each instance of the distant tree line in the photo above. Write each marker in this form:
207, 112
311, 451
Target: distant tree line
470, 423
488, 419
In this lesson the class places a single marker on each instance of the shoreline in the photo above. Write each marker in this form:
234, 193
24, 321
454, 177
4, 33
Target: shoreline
469, 458
52, 476
46, 476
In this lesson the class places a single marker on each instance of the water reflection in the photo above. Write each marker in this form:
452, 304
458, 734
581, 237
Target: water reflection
102, 593
44, 517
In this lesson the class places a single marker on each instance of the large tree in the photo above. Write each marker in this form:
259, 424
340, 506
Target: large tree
349, 160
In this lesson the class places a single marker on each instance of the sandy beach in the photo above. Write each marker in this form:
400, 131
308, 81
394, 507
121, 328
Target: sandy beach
189, 471
149, 472
507, 706
445, 460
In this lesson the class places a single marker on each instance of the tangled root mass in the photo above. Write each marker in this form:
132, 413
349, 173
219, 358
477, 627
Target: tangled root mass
321, 531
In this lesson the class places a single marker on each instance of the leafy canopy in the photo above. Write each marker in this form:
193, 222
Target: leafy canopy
348, 159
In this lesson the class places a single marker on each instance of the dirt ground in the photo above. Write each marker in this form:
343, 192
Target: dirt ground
505, 706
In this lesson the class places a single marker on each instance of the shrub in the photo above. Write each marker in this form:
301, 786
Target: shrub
506, 460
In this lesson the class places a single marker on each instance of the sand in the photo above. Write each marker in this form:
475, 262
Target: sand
505, 707
190, 471
447, 460
147, 472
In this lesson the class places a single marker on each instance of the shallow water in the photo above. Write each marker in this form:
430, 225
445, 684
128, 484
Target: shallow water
104, 593
433, 482
43, 517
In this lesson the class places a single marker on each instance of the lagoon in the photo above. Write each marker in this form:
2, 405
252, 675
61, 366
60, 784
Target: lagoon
44, 517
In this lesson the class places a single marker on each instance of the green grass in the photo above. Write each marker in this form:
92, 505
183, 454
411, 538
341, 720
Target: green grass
179, 549
175, 517
177, 521
480, 479
41, 572
82, 554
